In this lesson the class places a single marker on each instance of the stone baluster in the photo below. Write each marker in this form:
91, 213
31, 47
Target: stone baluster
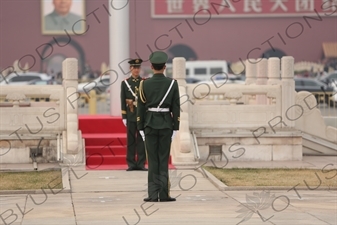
262, 78
233, 97
274, 71
288, 92
179, 73
56, 97
250, 79
70, 83
250, 71
272, 98
16, 97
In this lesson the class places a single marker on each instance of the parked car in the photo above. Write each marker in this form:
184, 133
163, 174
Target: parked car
44, 82
321, 91
311, 85
330, 78
100, 85
217, 79
220, 83
22, 78
228, 77
201, 69
191, 80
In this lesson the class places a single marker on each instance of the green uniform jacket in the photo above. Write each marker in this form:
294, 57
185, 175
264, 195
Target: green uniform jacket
151, 93
127, 94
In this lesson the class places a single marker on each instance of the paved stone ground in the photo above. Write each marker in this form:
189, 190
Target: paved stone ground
115, 197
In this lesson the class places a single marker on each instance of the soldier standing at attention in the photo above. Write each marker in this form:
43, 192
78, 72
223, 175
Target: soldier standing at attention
135, 143
158, 118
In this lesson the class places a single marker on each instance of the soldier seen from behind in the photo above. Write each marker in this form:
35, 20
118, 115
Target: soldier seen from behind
158, 119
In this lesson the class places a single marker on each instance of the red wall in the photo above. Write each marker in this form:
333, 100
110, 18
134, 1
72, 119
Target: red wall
219, 38
231, 38
20, 34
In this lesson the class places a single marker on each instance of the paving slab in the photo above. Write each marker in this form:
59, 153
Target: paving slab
12, 208
49, 209
304, 205
116, 197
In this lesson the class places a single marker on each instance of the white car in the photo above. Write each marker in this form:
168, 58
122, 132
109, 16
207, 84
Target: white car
221, 82
201, 69
100, 84
22, 78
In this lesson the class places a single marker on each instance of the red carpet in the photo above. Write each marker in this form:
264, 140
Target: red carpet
105, 142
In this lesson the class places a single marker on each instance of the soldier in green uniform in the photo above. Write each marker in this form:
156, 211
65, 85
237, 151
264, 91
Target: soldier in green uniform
135, 143
158, 118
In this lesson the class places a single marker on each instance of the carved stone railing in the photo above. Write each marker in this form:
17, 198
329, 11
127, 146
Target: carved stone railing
23, 120
184, 137
221, 108
267, 100
49, 117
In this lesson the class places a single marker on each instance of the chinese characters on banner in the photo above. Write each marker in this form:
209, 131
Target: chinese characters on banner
241, 8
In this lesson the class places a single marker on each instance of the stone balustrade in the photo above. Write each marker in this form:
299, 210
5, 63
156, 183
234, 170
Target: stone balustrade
265, 117
24, 122
266, 107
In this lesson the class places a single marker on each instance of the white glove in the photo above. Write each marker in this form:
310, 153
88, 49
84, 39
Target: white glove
124, 122
174, 133
142, 134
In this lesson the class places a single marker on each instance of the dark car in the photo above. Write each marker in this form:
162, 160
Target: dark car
191, 80
322, 92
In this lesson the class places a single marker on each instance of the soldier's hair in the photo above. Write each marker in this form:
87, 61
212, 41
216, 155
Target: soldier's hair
158, 66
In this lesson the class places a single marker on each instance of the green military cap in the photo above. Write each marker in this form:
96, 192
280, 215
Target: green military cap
158, 57
135, 62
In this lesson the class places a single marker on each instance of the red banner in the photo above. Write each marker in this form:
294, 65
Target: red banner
241, 8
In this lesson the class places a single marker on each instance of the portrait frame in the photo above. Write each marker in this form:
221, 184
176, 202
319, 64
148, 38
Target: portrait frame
50, 18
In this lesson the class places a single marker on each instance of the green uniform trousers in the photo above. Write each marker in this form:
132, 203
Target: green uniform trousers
158, 145
135, 142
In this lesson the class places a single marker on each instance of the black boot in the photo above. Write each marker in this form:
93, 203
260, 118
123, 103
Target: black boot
148, 199
169, 199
